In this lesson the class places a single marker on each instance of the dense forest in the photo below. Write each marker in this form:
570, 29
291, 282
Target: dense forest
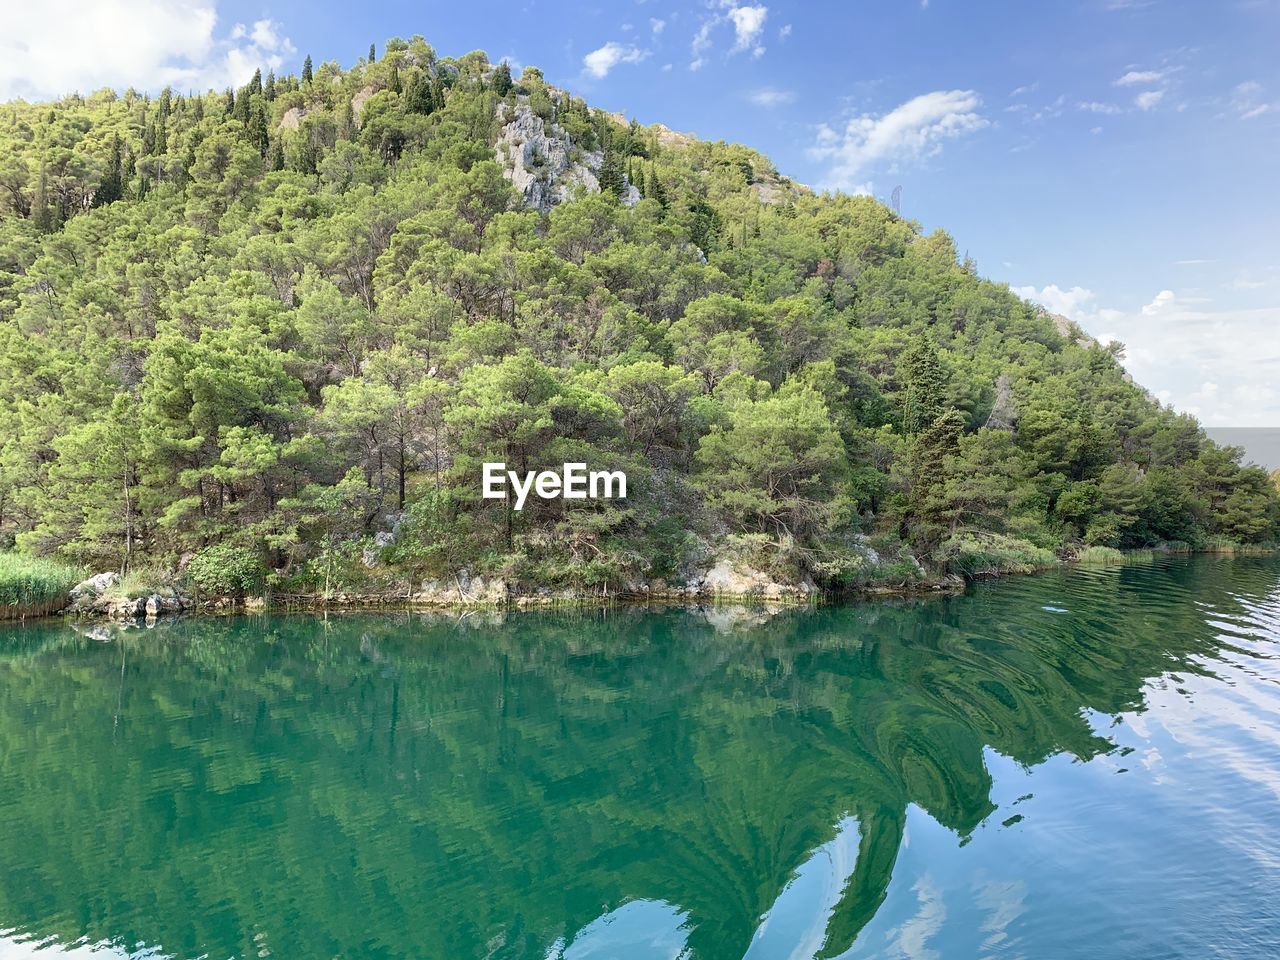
270, 334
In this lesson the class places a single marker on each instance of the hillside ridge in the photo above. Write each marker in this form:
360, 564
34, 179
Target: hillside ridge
264, 339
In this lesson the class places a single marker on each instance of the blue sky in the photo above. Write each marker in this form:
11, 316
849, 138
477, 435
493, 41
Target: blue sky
1115, 159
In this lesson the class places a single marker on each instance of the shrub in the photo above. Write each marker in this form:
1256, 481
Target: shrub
226, 570
983, 554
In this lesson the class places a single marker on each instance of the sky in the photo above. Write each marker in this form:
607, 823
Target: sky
1112, 159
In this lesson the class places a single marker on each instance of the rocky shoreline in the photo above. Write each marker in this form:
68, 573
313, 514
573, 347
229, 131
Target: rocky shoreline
99, 597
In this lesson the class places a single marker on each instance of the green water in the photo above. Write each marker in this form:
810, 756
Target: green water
1084, 764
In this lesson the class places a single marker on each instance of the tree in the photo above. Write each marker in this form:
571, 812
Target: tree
502, 79
306, 70
777, 467
923, 386
92, 513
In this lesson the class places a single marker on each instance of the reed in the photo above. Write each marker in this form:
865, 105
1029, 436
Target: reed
32, 586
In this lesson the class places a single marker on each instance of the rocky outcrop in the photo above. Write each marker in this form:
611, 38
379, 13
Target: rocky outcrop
462, 590
94, 587
539, 159
728, 578
363, 96
99, 596
292, 118
1070, 330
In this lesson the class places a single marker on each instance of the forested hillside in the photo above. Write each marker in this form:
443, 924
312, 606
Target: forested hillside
272, 333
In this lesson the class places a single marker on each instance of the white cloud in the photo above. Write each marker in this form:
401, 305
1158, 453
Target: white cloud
701, 44
1219, 362
657, 25
784, 32
748, 24
64, 46
599, 62
1164, 300
770, 97
1076, 304
911, 131
1148, 99
1140, 78
1246, 100
1093, 106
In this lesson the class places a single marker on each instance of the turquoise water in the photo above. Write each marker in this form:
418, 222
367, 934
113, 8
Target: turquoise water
1081, 764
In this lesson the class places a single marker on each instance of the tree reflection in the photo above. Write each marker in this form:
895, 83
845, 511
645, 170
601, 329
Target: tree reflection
409, 786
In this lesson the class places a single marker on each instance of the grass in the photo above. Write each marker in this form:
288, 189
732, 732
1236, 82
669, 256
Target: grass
30, 586
142, 583
1100, 556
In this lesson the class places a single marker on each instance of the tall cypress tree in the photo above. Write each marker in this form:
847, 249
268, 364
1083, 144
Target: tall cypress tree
373, 53
306, 70
924, 385
502, 79
109, 190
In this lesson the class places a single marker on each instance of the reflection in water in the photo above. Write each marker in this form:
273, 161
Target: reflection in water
1075, 765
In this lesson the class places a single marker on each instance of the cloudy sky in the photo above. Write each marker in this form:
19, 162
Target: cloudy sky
1113, 159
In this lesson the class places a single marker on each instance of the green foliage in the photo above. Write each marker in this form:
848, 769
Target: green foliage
226, 570
992, 553
293, 315
1100, 556
32, 583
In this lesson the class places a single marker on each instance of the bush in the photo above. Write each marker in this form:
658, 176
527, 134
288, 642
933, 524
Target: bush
226, 570
34, 583
984, 554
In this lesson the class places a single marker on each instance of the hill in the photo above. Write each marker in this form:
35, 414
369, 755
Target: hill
272, 334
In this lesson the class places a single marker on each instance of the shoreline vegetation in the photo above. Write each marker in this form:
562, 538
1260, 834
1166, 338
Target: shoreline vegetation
261, 342
39, 589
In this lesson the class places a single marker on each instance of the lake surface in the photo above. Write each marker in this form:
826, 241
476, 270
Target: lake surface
1081, 764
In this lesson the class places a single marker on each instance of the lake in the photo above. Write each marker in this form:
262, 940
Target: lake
1081, 764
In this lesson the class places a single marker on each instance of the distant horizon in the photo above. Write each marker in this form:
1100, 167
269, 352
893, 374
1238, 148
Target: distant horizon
1261, 444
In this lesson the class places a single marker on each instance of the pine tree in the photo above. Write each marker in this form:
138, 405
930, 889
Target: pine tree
259, 133
229, 102
418, 98
306, 70
109, 190
373, 53
502, 79
395, 77
40, 213
612, 177
255, 82
269, 90
275, 155
924, 385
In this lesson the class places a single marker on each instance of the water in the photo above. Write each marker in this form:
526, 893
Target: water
1075, 765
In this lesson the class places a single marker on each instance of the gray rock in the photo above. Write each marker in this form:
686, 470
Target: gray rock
536, 158
95, 586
